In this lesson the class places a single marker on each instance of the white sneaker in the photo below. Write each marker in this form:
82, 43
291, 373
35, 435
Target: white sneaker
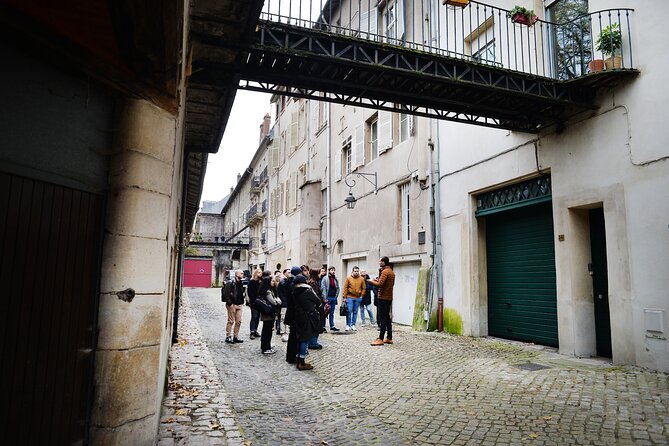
353, 328
284, 337
363, 325
347, 328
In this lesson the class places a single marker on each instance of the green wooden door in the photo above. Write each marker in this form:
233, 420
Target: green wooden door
522, 297
600, 283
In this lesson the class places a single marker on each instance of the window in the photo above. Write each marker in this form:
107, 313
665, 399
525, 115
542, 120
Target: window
393, 20
302, 175
405, 126
372, 138
282, 148
572, 43
301, 123
405, 199
486, 54
347, 162
322, 115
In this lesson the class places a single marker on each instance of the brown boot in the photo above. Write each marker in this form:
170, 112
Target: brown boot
388, 341
378, 341
301, 365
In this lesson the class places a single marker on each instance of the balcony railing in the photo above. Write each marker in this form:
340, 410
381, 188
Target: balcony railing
478, 33
256, 212
255, 184
263, 177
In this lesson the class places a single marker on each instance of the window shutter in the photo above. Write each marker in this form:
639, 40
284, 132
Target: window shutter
337, 165
385, 131
279, 200
358, 146
293, 131
294, 188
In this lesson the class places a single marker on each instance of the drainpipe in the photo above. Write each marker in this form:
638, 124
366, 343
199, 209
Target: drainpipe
181, 244
329, 194
431, 289
437, 238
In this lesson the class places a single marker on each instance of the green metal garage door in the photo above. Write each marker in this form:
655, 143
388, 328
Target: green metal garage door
522, 298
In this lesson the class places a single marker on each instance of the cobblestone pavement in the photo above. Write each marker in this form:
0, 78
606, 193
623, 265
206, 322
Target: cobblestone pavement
427, 388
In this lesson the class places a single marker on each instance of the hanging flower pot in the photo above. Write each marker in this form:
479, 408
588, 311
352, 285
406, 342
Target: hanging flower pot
460, 3
523, 16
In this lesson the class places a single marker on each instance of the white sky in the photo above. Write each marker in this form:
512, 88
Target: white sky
240, 142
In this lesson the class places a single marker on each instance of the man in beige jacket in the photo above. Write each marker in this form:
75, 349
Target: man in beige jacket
354, 289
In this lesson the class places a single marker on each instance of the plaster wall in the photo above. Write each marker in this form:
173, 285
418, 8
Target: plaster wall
615, 158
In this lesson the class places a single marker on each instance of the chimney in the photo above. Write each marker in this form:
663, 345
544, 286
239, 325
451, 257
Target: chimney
239, 177
232, 189
264, 127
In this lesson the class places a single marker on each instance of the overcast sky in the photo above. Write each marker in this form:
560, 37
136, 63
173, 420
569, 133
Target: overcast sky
240, 141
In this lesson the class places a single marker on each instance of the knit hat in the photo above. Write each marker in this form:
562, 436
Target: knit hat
296, 271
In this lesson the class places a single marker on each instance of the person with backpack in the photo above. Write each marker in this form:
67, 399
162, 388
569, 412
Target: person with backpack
330, 292
232, 294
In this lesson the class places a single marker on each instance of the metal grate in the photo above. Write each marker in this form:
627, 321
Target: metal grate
530, 366
529, 192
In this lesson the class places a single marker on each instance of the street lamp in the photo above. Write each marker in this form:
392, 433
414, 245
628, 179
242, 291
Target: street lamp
350, 200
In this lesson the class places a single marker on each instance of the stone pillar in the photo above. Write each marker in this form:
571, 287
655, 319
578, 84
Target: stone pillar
136, 279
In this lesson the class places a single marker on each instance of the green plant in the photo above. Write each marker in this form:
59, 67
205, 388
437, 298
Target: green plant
527, 13
610, 39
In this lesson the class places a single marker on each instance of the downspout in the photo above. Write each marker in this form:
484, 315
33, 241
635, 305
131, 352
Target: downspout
182, 245
437, 238
329, 194
432, 288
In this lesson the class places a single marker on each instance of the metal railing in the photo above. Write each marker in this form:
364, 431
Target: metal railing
478, 33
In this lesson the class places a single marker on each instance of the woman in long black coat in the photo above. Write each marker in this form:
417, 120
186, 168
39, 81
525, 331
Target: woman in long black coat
306, 318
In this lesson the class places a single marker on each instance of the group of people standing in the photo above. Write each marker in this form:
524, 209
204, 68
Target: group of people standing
303, 298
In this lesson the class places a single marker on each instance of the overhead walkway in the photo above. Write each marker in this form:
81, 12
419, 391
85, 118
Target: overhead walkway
470, 64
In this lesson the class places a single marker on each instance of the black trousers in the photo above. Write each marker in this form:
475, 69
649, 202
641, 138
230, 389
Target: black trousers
383, 318
291, 348
255, 319
266, 335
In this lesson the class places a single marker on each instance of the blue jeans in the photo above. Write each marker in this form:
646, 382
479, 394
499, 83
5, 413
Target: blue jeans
313, 342
333, 303
367, 307
353, 304
302, 349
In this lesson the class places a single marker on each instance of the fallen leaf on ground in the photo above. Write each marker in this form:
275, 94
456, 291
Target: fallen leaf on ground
533, 435
181, 411
548, 417
215, 426
169, 420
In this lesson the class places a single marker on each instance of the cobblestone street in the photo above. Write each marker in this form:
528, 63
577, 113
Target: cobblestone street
427, 388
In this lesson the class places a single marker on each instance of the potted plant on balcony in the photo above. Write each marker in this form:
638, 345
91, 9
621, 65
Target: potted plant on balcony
522, 15
460, 3
609, 42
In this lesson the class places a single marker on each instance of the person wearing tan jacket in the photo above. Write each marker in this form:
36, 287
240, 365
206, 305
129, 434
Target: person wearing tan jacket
354, 289
385, 283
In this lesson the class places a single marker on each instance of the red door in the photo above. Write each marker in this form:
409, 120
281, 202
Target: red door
197, 273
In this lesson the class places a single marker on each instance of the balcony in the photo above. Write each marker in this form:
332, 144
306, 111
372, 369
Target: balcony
476, 64
255, 186
256, 213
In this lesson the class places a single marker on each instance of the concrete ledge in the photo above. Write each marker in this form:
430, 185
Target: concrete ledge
135, 169
137, 212
133, 262
125, 388
143, 127
125, 325
139, 432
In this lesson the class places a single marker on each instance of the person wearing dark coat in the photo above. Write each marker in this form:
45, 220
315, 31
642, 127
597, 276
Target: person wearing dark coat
266, 292
291, 347
314, 283
252, 292
305, 308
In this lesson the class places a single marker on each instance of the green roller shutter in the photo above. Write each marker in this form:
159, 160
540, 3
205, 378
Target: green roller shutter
522, 298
